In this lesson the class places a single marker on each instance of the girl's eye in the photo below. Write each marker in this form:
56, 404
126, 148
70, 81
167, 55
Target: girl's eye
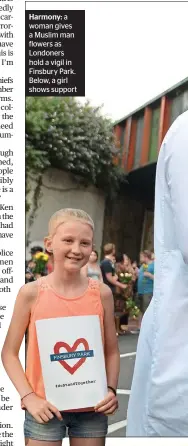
86, 243
67, 240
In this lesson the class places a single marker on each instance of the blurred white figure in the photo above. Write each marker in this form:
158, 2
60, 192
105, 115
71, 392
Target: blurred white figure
158, 405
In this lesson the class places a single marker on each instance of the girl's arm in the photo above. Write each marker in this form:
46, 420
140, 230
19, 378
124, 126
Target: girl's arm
15, 335
112, 356
39, 408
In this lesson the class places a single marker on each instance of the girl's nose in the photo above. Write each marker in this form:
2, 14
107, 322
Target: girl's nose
76, 248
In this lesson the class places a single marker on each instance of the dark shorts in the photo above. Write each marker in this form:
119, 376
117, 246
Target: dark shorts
78, 424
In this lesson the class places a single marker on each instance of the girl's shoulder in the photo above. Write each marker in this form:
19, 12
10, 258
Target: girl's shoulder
29, 291
106, 294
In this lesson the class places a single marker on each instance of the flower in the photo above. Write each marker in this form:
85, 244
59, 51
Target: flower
45, 257
40, 260
38, 255
41, 256
125, 278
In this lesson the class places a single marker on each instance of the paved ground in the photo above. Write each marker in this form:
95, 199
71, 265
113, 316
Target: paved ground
117, 423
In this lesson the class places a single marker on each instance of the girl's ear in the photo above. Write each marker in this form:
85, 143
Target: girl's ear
48, 243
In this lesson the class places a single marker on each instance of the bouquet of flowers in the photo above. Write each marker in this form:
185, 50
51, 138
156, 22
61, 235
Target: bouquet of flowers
40, 259
125, 278
132, 308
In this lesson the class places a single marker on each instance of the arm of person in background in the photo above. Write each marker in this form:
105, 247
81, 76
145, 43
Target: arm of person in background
39, 408
137, 272
112, 356
177, 177
149, 275
114, 281
134, 274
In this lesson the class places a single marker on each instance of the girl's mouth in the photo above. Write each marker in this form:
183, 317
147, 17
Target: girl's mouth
75, 259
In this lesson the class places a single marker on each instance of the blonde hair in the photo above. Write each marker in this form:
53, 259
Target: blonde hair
66, 214
109, 248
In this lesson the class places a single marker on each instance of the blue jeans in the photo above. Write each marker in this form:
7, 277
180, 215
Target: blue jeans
79, 424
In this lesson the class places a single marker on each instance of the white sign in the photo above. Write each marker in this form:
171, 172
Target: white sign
72, 360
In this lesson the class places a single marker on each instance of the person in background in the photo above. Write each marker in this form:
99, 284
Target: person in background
114, 259
128, 293
31, 263
128, 265
92, 269
35, 250
109, 275
141, 259
121, 315
140, 282
136, 274
135, 268
153, 256
129, 269
29, 277
148, 279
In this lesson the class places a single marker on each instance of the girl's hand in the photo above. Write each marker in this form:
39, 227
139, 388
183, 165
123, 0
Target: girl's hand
109, 405
40, 409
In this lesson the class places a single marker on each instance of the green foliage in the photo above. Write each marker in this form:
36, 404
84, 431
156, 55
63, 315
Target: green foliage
62, 133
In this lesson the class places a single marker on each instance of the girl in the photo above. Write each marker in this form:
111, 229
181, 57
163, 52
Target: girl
64, 292
92, 269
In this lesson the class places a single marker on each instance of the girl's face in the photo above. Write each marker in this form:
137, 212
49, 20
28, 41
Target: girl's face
93, 257
72, 245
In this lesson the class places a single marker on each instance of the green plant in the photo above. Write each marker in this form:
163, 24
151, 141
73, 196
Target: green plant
62, 133
133, 310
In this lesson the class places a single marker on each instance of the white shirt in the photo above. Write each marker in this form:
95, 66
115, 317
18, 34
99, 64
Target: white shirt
158, 404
